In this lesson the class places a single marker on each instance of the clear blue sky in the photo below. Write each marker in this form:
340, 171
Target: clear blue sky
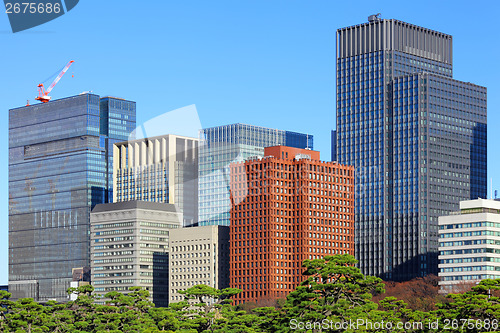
269, 63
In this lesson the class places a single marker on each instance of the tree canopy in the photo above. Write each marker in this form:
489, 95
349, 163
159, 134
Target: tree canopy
334, 297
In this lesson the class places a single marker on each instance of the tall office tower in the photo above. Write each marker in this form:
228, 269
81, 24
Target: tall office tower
160, 169
129, 247
58, 166
198, 255
469, 245
416, 137
287, 207
222, 145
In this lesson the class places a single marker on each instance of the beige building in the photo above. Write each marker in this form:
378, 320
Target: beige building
129, 247
160, 169
469, 245
198, 255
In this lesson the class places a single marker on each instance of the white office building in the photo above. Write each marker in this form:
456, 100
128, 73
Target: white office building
469, 244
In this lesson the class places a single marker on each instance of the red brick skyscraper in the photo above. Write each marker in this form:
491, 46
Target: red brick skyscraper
286, 207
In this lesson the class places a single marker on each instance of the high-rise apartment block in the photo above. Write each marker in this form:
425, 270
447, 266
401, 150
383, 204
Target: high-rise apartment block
287, 207
469, 244
198, 255
159, 169
129, 247
416, 137
222, 145
59, 166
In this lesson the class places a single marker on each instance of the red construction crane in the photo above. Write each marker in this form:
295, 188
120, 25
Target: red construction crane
43, 95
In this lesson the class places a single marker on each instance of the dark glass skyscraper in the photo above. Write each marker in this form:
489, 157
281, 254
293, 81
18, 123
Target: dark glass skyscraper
416, 137
60, 162
222, 145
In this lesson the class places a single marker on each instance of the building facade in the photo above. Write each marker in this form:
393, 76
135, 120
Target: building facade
59, 163
129, 247
416, 137
469, 244
287, 207
222, 145
198, 255
160, 169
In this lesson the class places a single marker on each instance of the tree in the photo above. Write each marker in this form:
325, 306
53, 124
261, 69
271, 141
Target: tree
480, 305
334, 290
202, 308
420, 294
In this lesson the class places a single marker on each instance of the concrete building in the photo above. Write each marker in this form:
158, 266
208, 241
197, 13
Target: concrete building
416, 137
469, 244
129, 247
222, 145
287, 207
198, 255
59, 166
160, 169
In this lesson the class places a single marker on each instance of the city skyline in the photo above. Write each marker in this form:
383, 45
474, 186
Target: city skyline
290, 101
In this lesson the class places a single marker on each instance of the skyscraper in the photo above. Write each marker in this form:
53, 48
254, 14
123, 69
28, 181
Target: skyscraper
160, 169
59, 166
222, 145
416, 137
287, 207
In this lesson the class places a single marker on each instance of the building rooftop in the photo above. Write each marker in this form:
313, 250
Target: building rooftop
480, 203
155, 137
135, 204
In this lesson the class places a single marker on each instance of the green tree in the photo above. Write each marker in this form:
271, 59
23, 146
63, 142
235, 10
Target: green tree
472, 310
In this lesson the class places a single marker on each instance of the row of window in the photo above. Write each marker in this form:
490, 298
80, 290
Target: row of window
470, 277
466, 260
469, 268
185, 248
471, 224
470, 242
470, 233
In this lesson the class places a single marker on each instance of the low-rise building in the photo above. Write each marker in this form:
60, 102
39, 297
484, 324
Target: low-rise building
469, 244
129, 247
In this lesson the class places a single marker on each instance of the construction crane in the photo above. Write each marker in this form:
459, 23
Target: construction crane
43, 95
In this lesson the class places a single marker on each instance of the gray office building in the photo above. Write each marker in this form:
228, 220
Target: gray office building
222, 145
416, 137
60, 166
198, 255
129, 247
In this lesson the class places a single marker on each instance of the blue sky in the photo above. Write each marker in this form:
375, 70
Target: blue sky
269, 63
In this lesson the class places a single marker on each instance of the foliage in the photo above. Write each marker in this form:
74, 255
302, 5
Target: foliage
334, 292
420, 294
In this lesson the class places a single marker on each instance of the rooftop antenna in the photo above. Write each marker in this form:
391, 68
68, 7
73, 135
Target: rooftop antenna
307, 142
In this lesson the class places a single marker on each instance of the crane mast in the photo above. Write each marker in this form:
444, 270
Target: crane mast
43, 95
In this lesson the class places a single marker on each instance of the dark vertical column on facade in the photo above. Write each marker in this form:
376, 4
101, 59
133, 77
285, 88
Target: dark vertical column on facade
334, 145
